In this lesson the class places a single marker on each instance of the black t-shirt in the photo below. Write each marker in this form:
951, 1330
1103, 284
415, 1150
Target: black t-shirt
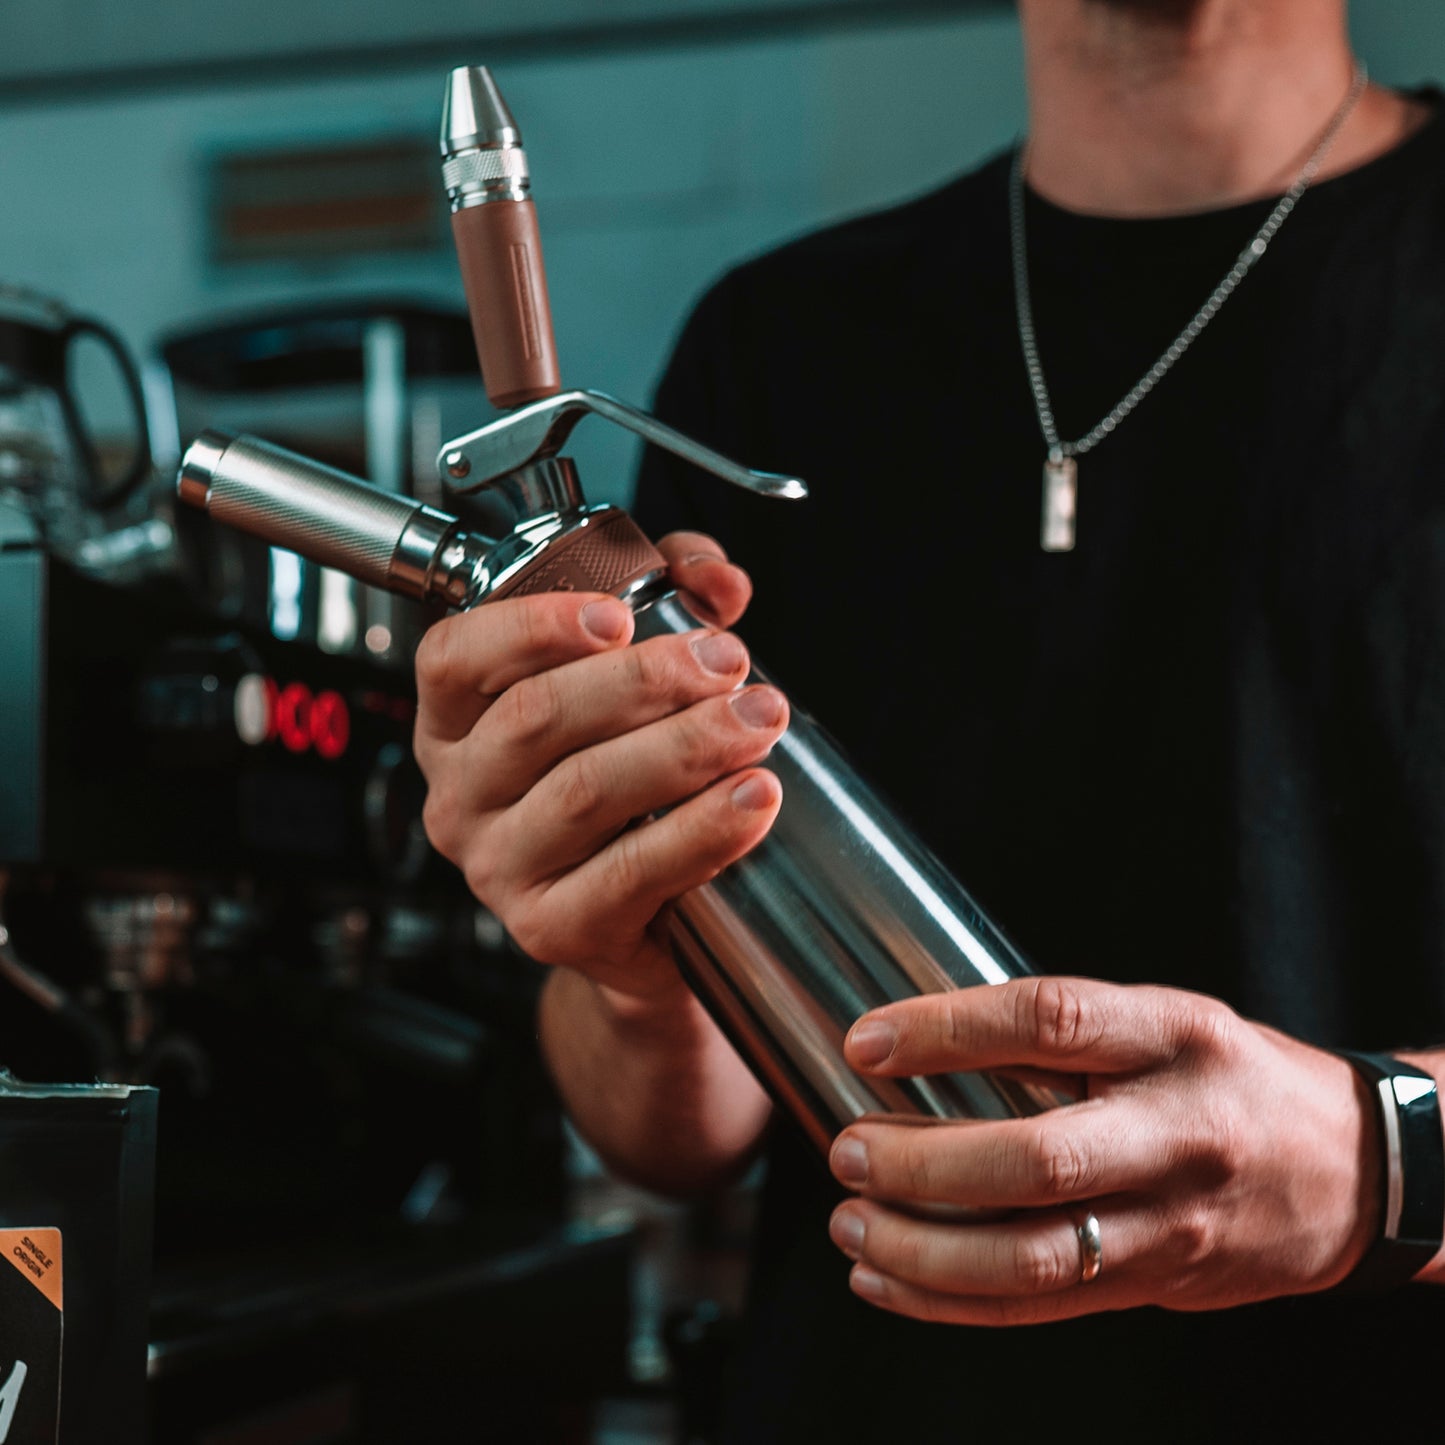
1206, 748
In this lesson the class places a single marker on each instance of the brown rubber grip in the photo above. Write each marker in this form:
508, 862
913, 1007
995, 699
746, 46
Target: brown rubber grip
607, 555
500, 253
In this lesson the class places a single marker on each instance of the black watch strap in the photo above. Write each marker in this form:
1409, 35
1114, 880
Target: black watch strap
1412, 1147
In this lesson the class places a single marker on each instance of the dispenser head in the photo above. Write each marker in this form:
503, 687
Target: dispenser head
474, 113
482, 155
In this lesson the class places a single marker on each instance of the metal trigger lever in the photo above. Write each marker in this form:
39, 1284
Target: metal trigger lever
536, 433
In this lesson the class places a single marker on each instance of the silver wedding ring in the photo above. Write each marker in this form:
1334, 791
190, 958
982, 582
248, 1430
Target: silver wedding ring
1091, 1248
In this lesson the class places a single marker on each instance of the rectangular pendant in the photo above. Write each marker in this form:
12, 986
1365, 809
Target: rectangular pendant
1061, 500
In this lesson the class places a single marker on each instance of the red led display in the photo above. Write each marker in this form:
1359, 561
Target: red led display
293, 717
303, 721
330, 724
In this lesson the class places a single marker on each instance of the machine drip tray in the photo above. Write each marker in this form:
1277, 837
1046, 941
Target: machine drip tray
497, 1331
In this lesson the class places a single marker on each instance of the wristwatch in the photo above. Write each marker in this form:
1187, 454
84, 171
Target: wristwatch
1412, 1214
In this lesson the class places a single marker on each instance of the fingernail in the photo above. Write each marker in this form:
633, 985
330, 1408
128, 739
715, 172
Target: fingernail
850, 1162
696, 559
754, 794
719, 652
759, 707
846, 1230
605, 619
867, 1283
872, 1043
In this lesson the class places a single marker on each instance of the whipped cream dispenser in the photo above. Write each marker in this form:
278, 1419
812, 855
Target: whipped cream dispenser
840, 909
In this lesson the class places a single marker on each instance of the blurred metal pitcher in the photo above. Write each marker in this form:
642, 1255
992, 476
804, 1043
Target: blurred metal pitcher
74, 442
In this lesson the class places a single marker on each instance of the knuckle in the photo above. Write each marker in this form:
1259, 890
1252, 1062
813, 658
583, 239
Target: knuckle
1059, 1167
427, 756
654, 672
1208, 1027
1218, 1148
529, 711
480, 875
896, 1252
538, 624
534, 930
701, 749
953, 1025
439, 820
906, 1257
1191, 1236
695, 748
1060, 1019
1040, 1268
916, 1169
582, 790
436, 657
623, 868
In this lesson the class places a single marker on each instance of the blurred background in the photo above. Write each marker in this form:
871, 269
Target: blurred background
155, 158
370, 1221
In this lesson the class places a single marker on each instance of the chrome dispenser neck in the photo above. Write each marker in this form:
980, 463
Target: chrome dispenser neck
537, 489
446, 565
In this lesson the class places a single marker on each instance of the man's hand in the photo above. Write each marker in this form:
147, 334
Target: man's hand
1225, 1162
547, 742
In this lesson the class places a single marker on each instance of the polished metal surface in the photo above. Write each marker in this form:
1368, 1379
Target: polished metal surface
415, 557
199, 467
379, 538
459, 572
543, 488
1091, 1247
487, 172
474, 113
839, 910
533, 433
1394, 1171
482, 155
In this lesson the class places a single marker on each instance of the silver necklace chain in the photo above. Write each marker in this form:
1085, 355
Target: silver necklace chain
1247, 258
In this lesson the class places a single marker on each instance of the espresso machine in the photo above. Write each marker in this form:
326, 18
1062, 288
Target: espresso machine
215, 891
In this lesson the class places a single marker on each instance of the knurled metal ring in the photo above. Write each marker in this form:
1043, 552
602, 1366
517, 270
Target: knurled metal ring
484, 167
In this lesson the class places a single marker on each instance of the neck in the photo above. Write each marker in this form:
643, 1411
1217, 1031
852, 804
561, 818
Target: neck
1164, 107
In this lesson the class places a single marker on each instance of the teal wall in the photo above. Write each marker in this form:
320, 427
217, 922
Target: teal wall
655, 169
1402, 41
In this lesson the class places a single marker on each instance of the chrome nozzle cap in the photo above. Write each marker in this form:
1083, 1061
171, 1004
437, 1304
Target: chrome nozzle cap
474, 113
199, 467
